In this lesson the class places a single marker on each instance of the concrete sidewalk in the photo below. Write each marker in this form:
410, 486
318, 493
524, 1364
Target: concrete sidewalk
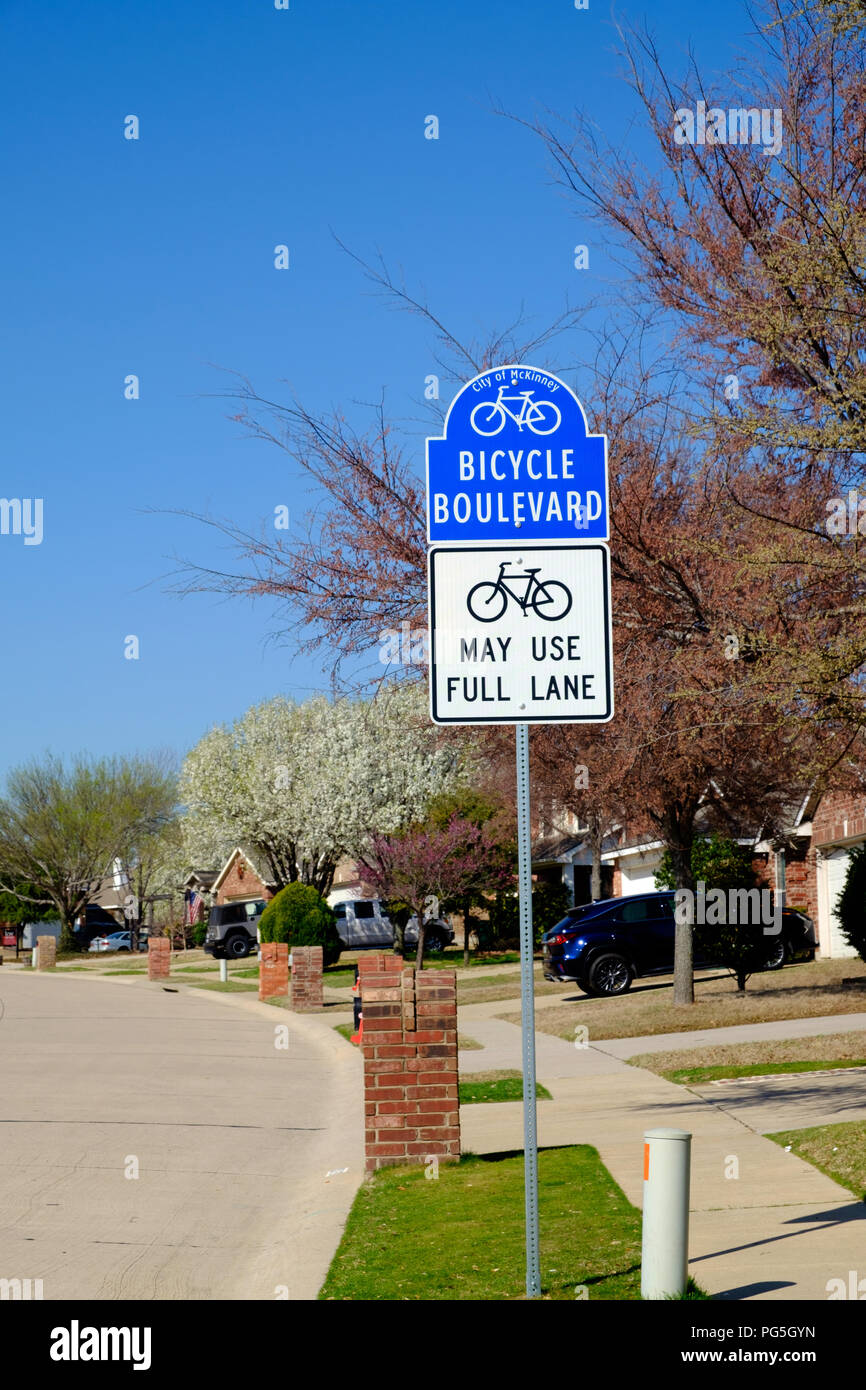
764, 1224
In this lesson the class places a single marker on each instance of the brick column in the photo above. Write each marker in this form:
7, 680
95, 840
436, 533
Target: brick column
410, 1063
158, 957
307, 979
46, 952
274, 970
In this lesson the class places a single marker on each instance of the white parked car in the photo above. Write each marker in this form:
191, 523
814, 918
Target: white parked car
118, 941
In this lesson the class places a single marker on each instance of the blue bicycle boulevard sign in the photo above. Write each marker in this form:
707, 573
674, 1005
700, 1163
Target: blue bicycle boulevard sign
516, 462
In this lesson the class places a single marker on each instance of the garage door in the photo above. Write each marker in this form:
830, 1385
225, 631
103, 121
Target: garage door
639, 875
836, 866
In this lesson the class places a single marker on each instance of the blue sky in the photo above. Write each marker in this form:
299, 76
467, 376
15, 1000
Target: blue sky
155, 257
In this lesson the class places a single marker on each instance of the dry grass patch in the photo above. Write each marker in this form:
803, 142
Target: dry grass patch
828, 1047
799, 991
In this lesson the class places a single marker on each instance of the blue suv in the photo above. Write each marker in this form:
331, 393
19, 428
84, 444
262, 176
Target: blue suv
603, 946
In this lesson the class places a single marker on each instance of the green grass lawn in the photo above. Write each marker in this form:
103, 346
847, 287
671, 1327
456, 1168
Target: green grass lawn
453, 960
345, 1030
230, 987
343, 973
461, 1235
837, 1150
696, 1076
338, 979
480, 1087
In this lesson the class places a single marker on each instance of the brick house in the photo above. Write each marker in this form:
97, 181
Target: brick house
348, 883
245, 876
242, 878
838, 824
810, 867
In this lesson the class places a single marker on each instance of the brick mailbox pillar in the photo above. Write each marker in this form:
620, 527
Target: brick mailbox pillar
46, 952
410, 1063
274, 970
158, 957
307, 979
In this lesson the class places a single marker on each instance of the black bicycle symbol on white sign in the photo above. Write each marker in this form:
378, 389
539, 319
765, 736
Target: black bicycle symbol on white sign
548, 598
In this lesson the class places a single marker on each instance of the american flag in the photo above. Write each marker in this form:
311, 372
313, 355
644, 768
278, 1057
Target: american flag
194, 907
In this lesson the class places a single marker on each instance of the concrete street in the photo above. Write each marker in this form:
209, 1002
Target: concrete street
234, 1141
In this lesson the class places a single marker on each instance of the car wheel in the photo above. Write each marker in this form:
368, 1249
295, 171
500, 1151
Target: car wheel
610, 974
777, 957
237, 947
434, 943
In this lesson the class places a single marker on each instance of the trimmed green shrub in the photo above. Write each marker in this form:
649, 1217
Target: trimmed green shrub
300, 916
851, 908
199, 933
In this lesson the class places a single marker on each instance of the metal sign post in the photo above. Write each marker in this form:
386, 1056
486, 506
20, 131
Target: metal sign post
519, 601
527, 1013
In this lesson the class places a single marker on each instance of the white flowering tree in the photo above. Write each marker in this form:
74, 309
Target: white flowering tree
304, 784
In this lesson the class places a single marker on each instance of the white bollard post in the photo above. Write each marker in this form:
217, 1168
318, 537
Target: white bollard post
666, 1175
33, 957
224, 970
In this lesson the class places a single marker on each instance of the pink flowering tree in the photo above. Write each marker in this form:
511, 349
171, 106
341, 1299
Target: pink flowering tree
450, 861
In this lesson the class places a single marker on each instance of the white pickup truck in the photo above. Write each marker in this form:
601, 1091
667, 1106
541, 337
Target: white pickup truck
363, 922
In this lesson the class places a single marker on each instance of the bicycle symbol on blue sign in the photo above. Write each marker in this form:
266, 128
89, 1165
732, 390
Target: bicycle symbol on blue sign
490, 417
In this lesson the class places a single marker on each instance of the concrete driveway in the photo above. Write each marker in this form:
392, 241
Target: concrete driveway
247, 1155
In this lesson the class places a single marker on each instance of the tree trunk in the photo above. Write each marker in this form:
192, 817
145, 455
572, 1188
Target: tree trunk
422, 932
67, 940
467, 929
741, 981
684, 981
595, 879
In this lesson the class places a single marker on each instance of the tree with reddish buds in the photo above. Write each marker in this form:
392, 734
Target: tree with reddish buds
453, 861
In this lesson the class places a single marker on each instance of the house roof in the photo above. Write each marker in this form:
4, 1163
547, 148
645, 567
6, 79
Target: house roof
557, 847
257, 869
205, 877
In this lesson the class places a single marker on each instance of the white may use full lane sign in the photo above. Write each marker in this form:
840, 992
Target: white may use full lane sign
520, 634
